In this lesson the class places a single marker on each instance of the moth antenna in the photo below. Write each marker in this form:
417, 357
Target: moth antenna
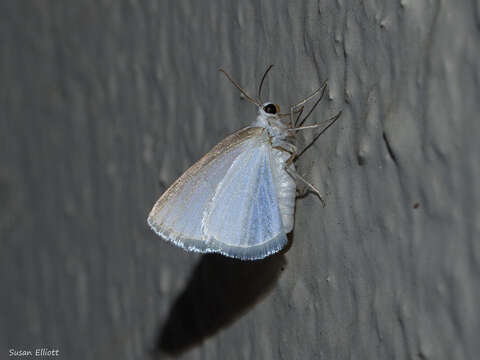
239, 88
261, 83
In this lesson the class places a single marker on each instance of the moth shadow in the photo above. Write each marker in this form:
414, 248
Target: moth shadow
219, 291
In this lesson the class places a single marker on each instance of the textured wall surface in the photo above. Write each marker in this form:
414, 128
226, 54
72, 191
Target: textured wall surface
104, 103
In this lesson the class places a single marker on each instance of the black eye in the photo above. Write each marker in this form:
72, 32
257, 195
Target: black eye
270, 109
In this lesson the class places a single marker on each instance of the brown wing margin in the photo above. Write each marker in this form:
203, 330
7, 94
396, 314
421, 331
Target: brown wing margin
224, 146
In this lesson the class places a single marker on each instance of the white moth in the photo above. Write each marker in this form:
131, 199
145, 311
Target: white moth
239, 199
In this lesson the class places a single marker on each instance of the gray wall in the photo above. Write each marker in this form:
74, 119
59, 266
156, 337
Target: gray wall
104, 103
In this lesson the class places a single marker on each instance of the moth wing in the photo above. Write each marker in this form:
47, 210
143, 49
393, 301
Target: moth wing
177, 215
243, 218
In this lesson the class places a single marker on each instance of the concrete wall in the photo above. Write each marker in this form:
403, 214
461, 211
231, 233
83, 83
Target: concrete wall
104, 103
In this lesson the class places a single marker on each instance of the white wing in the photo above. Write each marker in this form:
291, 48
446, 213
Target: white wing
243, 218
190, 212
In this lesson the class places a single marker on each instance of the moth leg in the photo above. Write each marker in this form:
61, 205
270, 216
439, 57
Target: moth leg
299, 107
308, 98
283, 145
329, 122
292, 111
290, 159
301, 192
290, 149
323, 89
309, 186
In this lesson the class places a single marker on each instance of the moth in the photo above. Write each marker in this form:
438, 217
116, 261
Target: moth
239, 199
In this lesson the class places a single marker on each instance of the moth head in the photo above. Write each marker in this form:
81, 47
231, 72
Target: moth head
270, 109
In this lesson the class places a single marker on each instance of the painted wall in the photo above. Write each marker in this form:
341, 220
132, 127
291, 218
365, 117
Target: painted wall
104, 104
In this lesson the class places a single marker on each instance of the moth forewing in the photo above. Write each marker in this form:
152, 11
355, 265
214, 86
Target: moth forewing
221, 148
179, 214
